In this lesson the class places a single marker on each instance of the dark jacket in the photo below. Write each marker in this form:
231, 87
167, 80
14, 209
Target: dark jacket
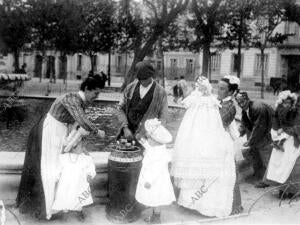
258, 125
158, 107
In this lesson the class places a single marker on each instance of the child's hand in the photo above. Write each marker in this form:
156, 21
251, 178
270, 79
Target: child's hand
89, 178
147, 185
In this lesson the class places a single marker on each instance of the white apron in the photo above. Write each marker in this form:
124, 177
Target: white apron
73, 190
54, 134
281, 163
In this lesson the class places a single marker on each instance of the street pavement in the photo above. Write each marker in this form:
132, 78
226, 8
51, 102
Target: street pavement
263, 204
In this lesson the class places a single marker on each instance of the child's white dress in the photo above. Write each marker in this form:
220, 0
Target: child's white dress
73, 190
155, 171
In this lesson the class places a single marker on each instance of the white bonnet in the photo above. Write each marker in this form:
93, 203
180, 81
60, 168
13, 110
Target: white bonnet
202, 84
157, 131
283, 95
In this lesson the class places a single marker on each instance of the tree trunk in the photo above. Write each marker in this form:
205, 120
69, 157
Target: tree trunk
139, 55
163, 69
262, 63
41, 74
205, 59
108, 68
62, 67
16, 59
161, 51
130, 75
239, 54
92, 64
125, 68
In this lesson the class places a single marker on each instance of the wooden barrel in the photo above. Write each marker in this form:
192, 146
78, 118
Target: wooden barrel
124, 165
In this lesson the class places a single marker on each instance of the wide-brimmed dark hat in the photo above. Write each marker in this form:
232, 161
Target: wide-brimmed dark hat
144, 70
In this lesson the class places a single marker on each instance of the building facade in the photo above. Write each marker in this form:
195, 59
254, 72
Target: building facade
280, 60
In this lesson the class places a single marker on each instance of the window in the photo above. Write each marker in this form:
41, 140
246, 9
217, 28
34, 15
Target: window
258, 64
94, 61
296, 31
173, 67
189, 66
235, 64
158, 65
215, 62
79, 62
119, 64
173, 63
2, 62
286, 27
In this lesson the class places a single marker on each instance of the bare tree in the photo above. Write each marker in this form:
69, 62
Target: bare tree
269, 15
209, 18
145, 29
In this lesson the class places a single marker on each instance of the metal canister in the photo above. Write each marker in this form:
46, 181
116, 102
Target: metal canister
124, 165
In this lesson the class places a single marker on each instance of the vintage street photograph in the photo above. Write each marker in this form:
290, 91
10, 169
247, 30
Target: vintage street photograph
173, 112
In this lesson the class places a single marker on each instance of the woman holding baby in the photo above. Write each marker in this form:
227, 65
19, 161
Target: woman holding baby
42, 166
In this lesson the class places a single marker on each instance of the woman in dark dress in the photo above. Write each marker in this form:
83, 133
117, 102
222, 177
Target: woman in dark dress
45, 142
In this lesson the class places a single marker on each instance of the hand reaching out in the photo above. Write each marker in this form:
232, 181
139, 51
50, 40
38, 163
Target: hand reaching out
101, 133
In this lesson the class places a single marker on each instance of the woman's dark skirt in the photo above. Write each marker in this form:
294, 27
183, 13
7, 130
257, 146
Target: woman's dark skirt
30, 197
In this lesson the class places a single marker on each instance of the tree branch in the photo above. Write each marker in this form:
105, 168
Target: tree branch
152, 7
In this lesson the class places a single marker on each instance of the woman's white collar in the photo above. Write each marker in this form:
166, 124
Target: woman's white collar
82, 96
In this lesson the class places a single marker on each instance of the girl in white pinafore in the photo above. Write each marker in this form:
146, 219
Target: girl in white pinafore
75, 172
154, 186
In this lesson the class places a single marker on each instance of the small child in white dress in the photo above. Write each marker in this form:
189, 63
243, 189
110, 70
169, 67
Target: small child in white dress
154, 186
74, 175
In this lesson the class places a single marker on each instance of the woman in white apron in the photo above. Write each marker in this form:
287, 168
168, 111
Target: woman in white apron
37, 188
284, 164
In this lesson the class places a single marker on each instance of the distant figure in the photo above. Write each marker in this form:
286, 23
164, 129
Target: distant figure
176, 90
91, 73
279, 84
23, 68
183, 86
284, 83
104, 78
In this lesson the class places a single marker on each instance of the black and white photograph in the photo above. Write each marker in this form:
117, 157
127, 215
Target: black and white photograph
173, 112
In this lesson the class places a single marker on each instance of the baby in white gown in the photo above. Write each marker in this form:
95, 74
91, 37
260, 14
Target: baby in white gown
203, 159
